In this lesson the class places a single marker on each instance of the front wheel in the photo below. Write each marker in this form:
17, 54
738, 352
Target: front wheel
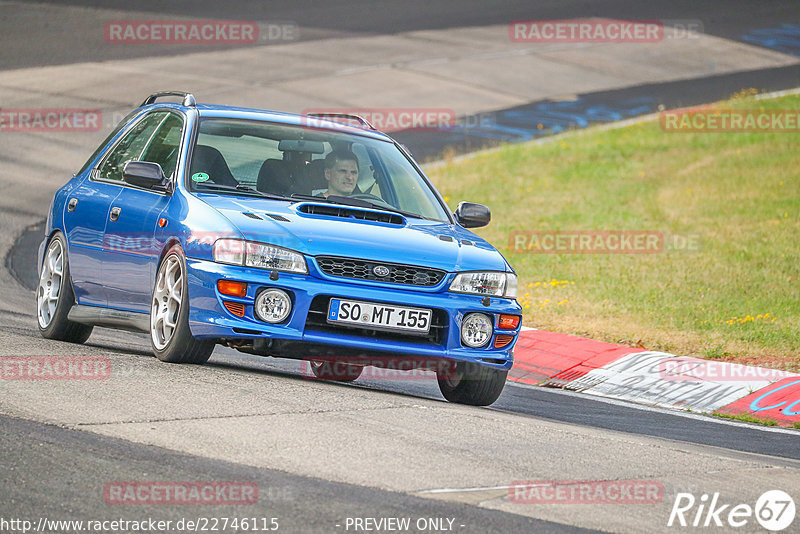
54, 297
170, 337
471, 383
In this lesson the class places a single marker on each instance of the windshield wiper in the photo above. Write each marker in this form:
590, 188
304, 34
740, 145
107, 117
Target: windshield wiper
360, 203
241, 188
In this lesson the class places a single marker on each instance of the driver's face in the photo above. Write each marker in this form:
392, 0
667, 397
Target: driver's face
342, 177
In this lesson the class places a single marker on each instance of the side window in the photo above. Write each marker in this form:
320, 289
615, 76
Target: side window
130, 147
124, 122
164, 146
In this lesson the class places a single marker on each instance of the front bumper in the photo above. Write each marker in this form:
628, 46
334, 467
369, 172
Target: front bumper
209, 319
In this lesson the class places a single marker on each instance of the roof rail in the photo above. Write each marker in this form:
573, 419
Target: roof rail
188, 98
364, 122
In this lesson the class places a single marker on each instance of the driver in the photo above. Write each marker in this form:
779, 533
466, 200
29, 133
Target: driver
341, 173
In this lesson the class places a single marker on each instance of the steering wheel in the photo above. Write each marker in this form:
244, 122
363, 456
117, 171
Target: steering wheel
371, 198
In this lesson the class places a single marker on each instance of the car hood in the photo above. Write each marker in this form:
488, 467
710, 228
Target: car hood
415, 242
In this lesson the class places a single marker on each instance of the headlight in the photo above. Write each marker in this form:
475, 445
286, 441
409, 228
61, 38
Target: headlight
493, 284
259, 255
229, 251
275, 258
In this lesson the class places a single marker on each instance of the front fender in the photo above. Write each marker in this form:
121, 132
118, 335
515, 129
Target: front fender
194, 225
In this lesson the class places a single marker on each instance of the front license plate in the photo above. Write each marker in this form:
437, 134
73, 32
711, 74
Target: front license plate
379, 316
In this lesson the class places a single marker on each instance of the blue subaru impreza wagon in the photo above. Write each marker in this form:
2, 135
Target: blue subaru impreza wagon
312, 237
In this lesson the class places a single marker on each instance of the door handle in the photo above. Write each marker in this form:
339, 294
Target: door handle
72, 203
115, 213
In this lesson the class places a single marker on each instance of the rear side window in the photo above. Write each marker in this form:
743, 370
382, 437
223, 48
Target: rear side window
124, 122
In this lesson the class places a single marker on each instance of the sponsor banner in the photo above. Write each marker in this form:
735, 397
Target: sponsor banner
172, 493
637, 377
586, 492
54, 368
50, 120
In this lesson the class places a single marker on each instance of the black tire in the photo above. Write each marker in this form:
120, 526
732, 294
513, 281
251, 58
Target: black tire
471, 383
55, 325
337, 371
181, 346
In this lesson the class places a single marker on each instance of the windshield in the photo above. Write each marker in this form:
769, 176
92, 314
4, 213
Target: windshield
247, 157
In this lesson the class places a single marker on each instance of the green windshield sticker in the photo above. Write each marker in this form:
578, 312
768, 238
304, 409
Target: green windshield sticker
199, 177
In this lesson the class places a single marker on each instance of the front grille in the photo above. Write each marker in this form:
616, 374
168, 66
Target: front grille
318, 315
364, 270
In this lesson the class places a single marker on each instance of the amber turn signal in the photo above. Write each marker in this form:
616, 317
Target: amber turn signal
232, 288
508, 322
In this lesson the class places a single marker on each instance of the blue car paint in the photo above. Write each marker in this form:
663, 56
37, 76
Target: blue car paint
123, 259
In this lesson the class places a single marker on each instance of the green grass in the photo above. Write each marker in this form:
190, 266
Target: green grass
736, 298
747, 418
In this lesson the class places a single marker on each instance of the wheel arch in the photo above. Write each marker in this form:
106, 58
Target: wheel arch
168, 245
49, 239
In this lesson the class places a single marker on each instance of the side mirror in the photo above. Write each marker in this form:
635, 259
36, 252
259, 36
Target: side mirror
144, 174
471, 215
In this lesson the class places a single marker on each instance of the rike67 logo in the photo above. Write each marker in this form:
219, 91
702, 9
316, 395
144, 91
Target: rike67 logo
774, 510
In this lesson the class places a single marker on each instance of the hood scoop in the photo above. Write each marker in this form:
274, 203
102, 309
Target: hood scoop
347, 212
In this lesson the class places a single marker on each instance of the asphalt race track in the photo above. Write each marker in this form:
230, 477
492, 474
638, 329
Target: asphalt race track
324, 454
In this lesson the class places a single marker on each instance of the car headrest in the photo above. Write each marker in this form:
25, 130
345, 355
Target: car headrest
209, 160
273, 177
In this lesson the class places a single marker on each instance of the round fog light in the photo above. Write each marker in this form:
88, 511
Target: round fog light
273, 305
476, 330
